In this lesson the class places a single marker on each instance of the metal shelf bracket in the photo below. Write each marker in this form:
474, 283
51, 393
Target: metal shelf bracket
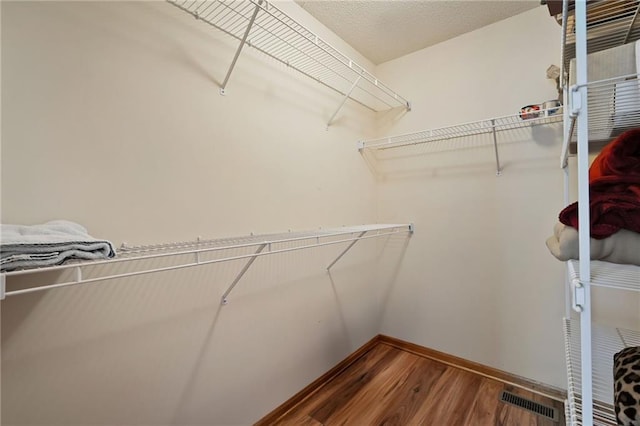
3, 286
495, 147
242, 272
344, 99
346, 250
240, 46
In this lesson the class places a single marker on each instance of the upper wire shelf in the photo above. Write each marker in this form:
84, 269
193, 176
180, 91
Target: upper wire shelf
487, 126
614, 106
610, 23
509, 122
261, 25
203, 252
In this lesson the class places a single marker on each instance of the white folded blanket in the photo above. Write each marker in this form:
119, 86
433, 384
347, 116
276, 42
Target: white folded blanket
621, 247
52, 243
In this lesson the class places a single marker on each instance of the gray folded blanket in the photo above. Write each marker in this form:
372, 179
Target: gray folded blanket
621, 247
52, 243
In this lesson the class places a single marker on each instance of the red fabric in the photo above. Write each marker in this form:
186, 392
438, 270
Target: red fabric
614, 189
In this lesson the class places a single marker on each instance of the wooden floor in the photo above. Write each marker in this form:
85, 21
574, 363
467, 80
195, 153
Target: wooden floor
390, 386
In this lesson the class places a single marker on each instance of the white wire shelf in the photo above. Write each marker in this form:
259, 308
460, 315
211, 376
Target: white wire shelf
606, 274
614, 106
509, 122
606, 341
261, 25
203, 252
488, 126
610, 23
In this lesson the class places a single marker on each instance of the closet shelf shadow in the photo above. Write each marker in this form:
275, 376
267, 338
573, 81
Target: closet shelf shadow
195, 253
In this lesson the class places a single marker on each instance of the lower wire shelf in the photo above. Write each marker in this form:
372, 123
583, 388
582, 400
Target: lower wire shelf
605, 342
202, 252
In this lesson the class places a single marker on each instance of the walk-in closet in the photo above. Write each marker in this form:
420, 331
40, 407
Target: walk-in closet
236, 212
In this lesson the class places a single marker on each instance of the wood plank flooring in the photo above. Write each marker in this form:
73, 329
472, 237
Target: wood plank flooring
390, 386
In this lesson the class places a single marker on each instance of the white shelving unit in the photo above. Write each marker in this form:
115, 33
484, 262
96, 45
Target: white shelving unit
204, 252
597, 110
262, 26
490, 127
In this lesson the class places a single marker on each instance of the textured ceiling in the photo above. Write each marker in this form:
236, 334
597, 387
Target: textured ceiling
382, 30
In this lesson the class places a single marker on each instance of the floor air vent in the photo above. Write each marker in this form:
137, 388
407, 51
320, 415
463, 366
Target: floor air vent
536, 408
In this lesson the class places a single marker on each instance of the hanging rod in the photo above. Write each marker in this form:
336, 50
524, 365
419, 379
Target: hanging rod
264, 243
262, 26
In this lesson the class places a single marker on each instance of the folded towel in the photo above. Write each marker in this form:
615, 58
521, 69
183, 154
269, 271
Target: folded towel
52, 243
614, 189
622, 247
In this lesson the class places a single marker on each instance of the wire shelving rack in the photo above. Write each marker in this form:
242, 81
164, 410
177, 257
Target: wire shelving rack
203, 252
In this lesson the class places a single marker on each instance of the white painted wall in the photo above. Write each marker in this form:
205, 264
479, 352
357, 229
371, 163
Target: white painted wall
477, 280
112, 118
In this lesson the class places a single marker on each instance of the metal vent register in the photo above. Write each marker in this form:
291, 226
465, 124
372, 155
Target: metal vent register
529, 405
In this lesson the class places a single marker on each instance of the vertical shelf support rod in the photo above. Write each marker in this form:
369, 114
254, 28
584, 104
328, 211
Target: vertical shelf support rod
242, 43
495, 147
242, 272
580, 98
346, 250
344, 99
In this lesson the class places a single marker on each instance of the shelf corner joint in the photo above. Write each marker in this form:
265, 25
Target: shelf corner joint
495, 147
